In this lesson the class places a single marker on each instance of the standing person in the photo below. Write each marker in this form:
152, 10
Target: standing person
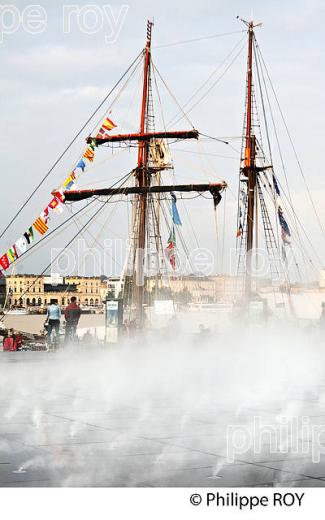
9, 341
18, 340
72, 315
53, 318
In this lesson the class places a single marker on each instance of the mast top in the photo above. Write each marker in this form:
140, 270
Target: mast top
250, 24
149, 32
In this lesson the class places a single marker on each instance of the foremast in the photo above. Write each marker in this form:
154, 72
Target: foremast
144, 188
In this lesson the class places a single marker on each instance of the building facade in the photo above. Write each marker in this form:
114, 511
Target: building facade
203, 289
27, 291
22, 290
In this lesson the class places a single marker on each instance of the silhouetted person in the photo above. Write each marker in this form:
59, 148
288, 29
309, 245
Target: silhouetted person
72, 315
53, 318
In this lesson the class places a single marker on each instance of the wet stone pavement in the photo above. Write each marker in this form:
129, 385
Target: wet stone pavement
59, 429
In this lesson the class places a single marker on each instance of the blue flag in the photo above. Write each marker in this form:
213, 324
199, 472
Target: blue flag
68, 186
81, 164
283, 222
176, 217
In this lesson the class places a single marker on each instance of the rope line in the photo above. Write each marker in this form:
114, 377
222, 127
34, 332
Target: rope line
193, 40
68, 147
293, 147
67, 244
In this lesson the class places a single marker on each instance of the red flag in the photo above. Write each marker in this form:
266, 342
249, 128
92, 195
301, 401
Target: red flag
45, 215
59, 196
54, 203
170, 254
102, 134
108, 124
4, 261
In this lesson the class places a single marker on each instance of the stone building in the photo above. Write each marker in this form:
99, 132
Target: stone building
25, 290
37, 291
114, 286
203, 289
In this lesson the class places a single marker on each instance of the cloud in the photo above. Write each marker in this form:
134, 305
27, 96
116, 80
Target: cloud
59, 63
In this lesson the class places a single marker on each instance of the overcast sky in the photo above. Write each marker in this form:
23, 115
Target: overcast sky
51, 82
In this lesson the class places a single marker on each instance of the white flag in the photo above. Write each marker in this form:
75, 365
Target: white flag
21, 244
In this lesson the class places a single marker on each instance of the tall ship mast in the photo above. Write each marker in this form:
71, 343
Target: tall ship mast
249, 169
148, 187
257, 183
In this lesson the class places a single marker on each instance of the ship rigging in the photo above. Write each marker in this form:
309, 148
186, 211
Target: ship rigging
148, 182
264, 201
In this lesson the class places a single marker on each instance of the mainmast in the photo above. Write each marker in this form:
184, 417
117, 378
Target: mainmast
142, 179
249, 168
254, 181
250, 163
